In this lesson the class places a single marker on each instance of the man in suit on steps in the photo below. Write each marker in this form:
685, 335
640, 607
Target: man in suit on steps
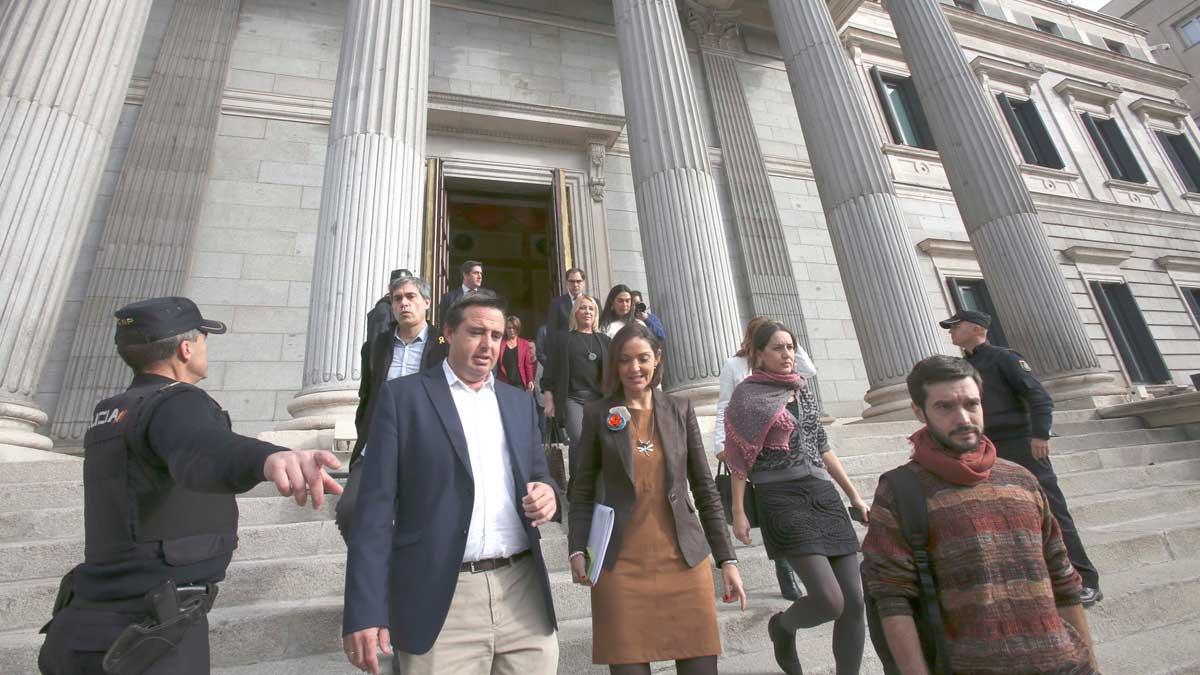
444, 560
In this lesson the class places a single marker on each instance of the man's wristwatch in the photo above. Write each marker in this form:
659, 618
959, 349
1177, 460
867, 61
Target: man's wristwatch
731, 561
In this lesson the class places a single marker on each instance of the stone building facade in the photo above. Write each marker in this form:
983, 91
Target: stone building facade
1173, 30
857, 173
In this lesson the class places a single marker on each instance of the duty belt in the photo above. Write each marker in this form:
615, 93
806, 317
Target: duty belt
477, 566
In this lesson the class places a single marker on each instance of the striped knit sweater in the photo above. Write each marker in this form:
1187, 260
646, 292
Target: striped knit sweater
1001, 570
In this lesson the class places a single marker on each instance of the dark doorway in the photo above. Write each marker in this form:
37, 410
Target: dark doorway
509, 228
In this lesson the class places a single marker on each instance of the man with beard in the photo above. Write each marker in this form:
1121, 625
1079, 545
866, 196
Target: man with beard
1008, 595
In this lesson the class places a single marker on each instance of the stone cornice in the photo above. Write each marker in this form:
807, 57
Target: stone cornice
911, 152
1114, 22
1038, 43
1047, 172
1078, 90
872, 42
1022, 75
1112, 256
1168, 110
1179, 263
455, 114
947, 248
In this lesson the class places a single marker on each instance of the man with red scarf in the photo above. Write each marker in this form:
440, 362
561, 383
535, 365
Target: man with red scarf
1008, 593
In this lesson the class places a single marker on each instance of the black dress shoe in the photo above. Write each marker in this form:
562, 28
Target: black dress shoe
787, 582
784, 642
1091, 596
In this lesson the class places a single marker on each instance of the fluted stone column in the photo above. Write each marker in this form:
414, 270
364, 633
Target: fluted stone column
64, 70
147, 240
876, 259
1023, 278
765, 251
371, 199
679, 217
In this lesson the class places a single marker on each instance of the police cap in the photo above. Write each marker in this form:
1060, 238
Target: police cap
160, 318
968, 315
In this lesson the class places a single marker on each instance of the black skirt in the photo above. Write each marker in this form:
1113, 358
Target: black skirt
804, 517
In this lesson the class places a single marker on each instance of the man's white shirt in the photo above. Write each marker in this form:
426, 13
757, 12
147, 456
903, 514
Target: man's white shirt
496, 530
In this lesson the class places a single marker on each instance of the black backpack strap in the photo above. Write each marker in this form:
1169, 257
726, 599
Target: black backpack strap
913, 511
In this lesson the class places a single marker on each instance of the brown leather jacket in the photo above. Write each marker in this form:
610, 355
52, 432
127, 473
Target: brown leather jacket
607, 454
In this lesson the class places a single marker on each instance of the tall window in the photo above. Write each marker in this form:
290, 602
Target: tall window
1047, 26
1029, 131
1129, 331
973, 294
1189, 31
1193, 301
902, 108
969, 5
1183, 158
1114, 150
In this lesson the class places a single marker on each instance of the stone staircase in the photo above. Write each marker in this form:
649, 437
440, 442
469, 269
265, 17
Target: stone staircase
1135, 492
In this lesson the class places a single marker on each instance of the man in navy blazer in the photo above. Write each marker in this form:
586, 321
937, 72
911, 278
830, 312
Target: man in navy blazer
444, 558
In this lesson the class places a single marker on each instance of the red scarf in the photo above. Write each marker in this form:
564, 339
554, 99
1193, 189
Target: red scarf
968, 469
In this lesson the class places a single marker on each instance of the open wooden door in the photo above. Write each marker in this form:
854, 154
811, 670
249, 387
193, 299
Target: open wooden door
437, 234
561, 257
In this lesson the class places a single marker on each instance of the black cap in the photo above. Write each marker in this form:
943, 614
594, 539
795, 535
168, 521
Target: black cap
968, 315
159, 318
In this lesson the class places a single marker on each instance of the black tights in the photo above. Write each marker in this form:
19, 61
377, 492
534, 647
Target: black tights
833, 592
701, 665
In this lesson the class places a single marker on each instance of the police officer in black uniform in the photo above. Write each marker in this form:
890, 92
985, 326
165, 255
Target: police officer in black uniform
160, 471
1017, 415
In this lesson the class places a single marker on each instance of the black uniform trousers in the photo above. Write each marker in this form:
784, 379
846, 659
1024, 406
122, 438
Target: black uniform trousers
1017, 450
78, 639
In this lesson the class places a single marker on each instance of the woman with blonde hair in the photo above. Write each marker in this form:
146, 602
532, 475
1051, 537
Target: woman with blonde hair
574, 367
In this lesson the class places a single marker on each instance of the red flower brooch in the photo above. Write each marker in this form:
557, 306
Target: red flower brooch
618, 418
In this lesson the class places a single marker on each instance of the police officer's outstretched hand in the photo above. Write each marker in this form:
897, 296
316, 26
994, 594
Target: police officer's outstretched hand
299, 472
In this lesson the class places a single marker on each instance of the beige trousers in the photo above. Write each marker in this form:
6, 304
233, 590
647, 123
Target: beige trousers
498, 624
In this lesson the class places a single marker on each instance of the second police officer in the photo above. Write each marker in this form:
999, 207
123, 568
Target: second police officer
1017, 416
161, 468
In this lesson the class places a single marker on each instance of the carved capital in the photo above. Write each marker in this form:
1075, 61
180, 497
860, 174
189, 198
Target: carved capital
715, 28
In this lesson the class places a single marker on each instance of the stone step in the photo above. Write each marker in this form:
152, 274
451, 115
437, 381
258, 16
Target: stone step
1123, 505
864, 445
1071, 461
1168, 650
905, 427
58, 523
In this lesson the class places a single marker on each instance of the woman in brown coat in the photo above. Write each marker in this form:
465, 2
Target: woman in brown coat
654, 599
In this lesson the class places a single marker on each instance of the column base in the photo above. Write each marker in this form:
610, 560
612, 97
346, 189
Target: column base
320, 410
889, 403
19, 439
703, 396
1079, 391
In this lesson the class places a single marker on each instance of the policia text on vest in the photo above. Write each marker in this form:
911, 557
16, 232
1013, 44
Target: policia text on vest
161, 468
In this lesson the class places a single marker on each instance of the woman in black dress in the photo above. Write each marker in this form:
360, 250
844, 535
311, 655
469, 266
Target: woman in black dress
574, 367
774, 437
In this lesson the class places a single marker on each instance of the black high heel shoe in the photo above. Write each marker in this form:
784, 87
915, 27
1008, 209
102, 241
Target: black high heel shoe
784, 642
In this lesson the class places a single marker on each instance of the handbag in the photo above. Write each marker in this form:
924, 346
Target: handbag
554, 448
725, 487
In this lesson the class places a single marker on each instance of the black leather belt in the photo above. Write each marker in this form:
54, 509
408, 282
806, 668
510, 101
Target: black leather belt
477, 566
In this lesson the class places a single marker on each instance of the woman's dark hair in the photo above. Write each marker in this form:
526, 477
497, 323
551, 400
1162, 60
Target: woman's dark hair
936, 369
480, 298
762, 338
747, 347
607, 316
611, 383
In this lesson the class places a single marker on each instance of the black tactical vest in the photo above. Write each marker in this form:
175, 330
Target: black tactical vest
133, 509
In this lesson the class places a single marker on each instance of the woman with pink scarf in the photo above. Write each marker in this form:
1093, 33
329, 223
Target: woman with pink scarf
774, 438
